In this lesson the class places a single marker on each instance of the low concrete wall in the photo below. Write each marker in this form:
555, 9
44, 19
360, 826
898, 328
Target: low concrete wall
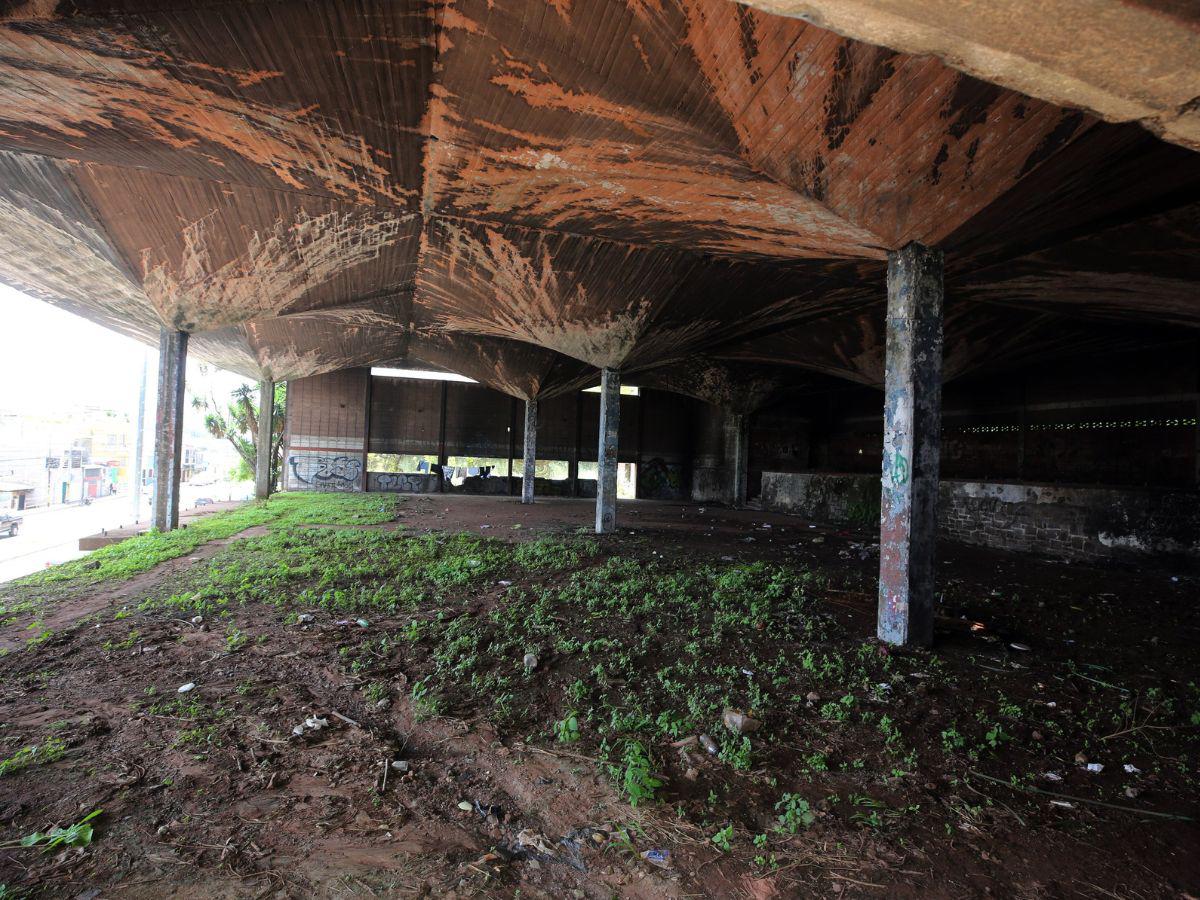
1073, 522
421, 483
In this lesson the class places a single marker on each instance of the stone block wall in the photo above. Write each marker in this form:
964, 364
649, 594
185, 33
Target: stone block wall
1063, 521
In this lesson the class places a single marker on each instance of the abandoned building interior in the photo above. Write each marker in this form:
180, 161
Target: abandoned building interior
924, 276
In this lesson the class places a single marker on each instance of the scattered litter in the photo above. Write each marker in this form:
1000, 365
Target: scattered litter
1132, 793
383, 704
748, 673
530, 839
1024, 648
1131, 769
186, 688
1063, 803
504, 583
531, 662
312, 723
400, 765
813, 697
1081, 758
738, 722
726, 559
196, 620
305, 618
465, 805
1095, 768
747, 540
362, 623
660, 858
709, 744
1052, 776
819, 539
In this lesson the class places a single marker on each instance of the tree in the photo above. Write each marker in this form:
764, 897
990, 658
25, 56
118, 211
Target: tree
238, 424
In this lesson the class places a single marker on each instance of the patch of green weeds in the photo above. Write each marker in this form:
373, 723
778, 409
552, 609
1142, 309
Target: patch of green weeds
48, 751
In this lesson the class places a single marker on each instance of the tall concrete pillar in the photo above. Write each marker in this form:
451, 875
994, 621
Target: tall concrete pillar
263, 455
912, 419
606, 458
737, 454
530, 451
168, 432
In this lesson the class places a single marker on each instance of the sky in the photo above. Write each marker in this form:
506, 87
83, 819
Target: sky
54, 359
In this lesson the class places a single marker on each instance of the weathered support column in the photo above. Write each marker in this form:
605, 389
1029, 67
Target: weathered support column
530, 469
912, 419
737, 453
512, 443
606, 457
443, 459
573, 465
168, 433
263, 454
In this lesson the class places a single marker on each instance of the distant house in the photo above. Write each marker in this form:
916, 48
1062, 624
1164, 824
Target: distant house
15, 494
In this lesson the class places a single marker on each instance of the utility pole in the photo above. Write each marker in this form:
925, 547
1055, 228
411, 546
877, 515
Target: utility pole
138, 440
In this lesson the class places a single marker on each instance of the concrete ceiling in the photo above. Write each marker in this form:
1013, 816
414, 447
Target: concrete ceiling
522, 192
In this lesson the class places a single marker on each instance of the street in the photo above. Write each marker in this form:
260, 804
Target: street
50, 535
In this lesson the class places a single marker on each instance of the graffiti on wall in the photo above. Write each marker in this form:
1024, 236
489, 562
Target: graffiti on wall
658, 480
327, 473
404, 483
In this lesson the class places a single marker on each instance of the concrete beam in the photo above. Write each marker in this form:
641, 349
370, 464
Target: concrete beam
606, 459
737, 455
263, 454
530, 470
168, 433
911, 445
1122, 60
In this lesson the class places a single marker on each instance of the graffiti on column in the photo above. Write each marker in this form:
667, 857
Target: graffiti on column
339, 473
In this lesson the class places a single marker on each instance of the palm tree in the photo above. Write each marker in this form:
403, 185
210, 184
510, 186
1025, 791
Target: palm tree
238, 424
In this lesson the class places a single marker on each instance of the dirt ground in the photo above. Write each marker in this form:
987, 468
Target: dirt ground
959, 772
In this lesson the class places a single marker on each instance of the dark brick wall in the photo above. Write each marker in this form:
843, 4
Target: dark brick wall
1120, 420
1070, 522
329, 432
326, 432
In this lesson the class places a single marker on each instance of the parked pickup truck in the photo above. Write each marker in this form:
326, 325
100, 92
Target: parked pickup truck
9, 524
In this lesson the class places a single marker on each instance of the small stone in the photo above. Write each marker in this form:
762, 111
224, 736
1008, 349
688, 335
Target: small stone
400, 765
1132, 793
196, 620
1081, 758
465, 805
739, 723
383, 704
305, 618
531, 661
186, 688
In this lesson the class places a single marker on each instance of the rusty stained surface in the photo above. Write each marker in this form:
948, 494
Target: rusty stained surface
522, 192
